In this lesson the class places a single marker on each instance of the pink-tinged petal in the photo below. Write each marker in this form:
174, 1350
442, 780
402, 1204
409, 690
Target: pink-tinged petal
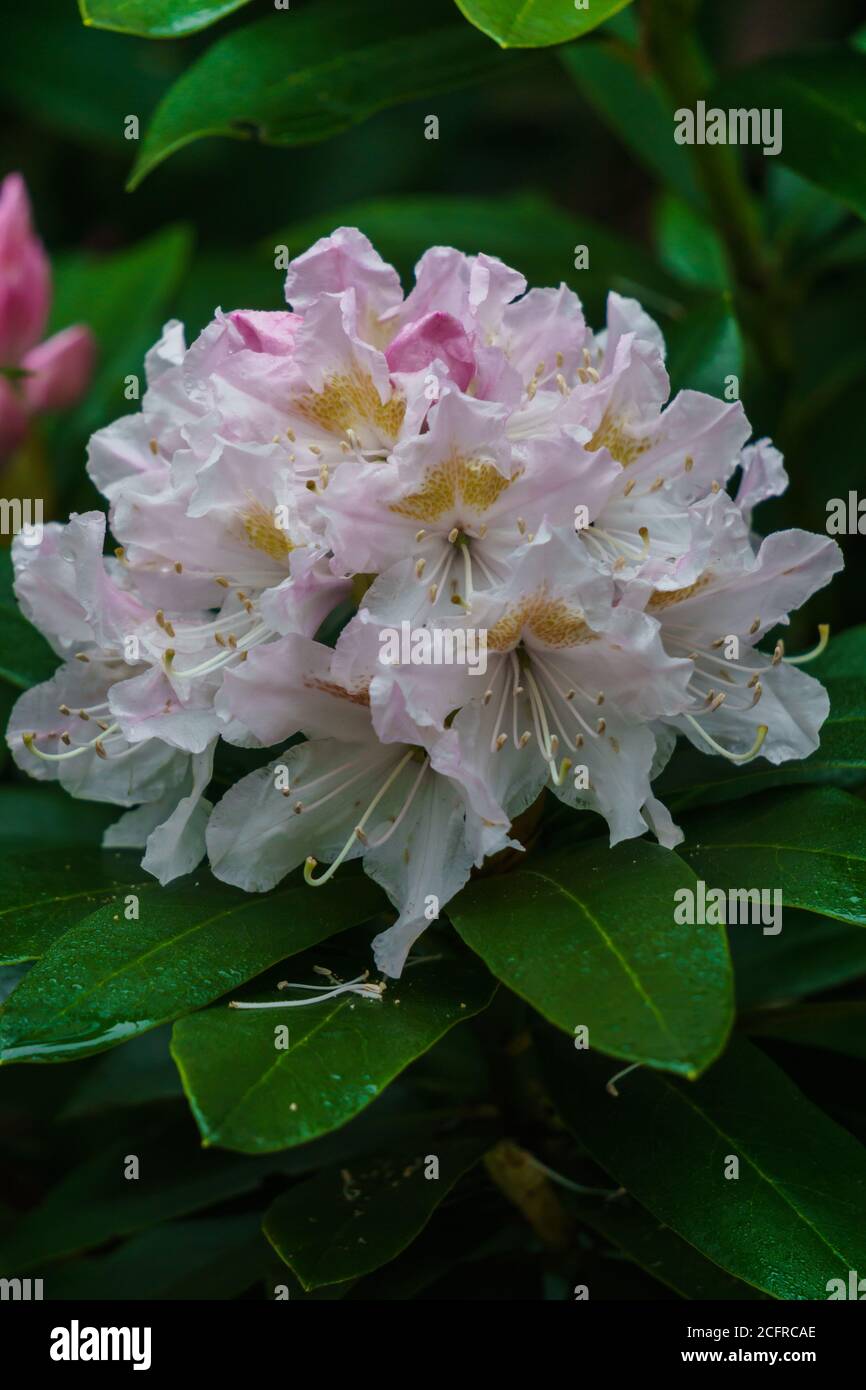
346, 260
428, 856
474, 289
492, 286
372, 512
302, 603
514, 776
66, 590
626, 317
793, 706
695, 443
262, 829
662, 824
437, 335
748, 594
177, 845
495, 378
262, 331
171, 830
125, 776
147, 706
59, 369
13, 418
618, 767
441, 283
327, 345
120, 451
763, 476
25, 274
544, 326
287, 686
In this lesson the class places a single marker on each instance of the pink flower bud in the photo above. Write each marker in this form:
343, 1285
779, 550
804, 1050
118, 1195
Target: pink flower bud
25, 274
59, 368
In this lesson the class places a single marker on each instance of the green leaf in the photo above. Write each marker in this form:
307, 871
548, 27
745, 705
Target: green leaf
97, 1202
156, 19
206, 1258
588, 937
43, 894
809, 843
249, 1092
811, 954
706, 348
536, 23
137, 1074
40, 817
525, 230
822, 95
294, 80
837, 1027
688, 246
658, 1250
796, 1215
76, 83
338, 1226
25, 656
615, 80
106, 980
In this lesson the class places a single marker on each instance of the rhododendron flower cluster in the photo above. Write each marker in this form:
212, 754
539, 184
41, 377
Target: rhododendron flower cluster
469, 456
34, 376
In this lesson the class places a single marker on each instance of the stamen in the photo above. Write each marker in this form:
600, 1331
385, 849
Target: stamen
824, 637
725, 752
310, 865
359, 985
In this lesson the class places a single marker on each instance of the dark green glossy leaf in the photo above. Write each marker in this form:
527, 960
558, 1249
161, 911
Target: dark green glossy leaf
36, 817
588, 937
796, 1215
74, 81
658, 1250
156, 19
25, 656
615, 80
253, 1089
137, 1074
338, 1226
42, 893
811, 954
107, 980
811, 843
822, 95
837, 1027
296, 79
96, 1202
208, 1258
706, 349
688, 246
536, 23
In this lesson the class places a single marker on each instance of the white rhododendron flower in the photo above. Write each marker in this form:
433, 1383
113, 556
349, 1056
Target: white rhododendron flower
470, 460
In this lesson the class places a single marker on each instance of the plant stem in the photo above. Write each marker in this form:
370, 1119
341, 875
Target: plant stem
675, 52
